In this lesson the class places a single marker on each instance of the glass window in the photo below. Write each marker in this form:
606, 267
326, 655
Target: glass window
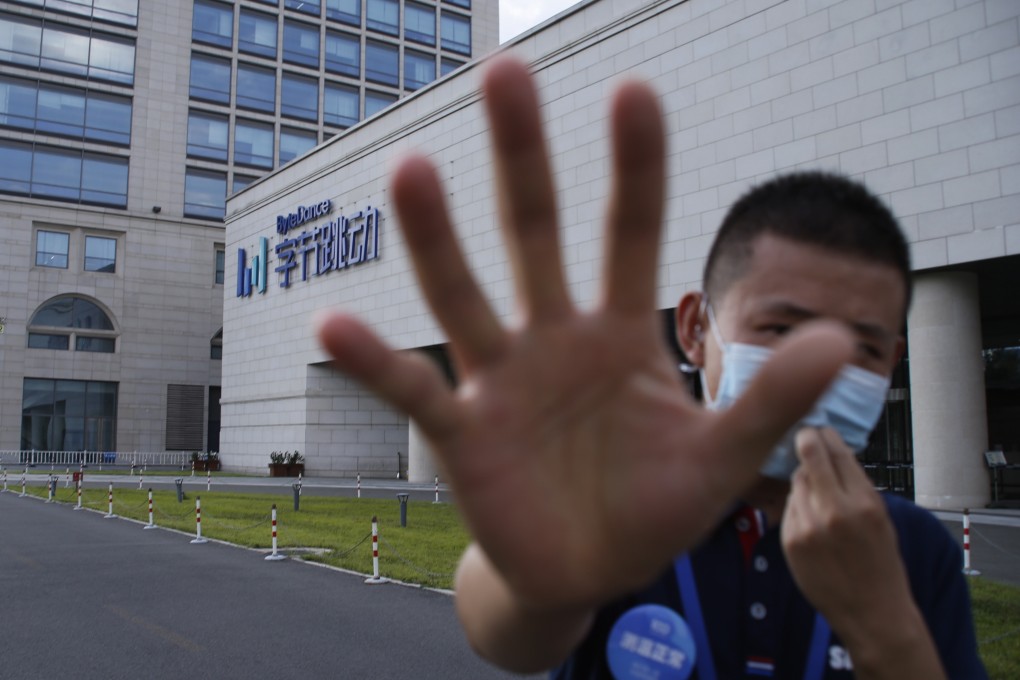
381, 63
20, 41
420, 23
347, 11
448, 66
72, 312
210, 79
377, 101
299, 97
205, 194
207, 135
213, 23
16, 170
306, 6
256, 33
61, 111
216, 345
85, 343
108, 118
57, 173
104, 180
460, 3
419, 69
65, 50
294, 143
51, 249
343, 54
17, 103
112, 60
456, 33
49, 341
68, 415
220, 261
340, 105
241, 181
253, 144
301, 43
116, 11
383, 16
256, 88
100, 254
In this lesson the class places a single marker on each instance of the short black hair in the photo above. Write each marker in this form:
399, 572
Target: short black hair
815, 208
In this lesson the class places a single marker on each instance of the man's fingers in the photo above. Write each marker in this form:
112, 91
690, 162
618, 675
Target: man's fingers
635, 212
816, 452
783, 391
407, 380
843, 461
527, 197
475, 333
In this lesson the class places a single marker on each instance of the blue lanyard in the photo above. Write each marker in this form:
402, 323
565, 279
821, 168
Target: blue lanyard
813, 668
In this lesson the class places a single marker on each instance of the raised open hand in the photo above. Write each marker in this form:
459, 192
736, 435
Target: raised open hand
577, 459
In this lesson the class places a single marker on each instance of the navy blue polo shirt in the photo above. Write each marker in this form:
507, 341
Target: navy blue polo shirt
760, 626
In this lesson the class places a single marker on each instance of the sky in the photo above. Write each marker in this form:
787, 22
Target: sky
517, 16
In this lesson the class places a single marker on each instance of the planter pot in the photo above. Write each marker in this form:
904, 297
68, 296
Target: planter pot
286, 469
207, 466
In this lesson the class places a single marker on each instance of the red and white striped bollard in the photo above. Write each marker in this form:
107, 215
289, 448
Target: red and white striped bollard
208, 480
67, 480
24, 475
78, 484
109, 513
375, 579
192, 468
967, 570
275, 555
141, 478
151, 524
437, 490
359, 485
198, 521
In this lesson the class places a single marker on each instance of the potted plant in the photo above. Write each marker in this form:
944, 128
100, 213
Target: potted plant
295, 464
206, 462
277, 464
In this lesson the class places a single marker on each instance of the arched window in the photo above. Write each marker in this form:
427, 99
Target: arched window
74, 323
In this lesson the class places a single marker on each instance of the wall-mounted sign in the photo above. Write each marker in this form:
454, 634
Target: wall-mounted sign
340, 243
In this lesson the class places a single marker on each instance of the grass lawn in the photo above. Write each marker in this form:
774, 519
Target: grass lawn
427, 550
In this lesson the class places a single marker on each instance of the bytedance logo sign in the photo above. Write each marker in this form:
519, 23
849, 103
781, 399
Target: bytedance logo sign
331, 246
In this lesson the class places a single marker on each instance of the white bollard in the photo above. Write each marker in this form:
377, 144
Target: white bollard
208, 480
109, 514
23, 475
141, 478
437, 490
300, 484
966, 545
67, 480
375, 579
275, 556
192, 468
78, 484
198, 522
5, 479
359, 485
50, 482
151, 524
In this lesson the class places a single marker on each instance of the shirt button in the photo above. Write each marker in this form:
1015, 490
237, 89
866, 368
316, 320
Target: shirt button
743, 524
758, 611
760, 563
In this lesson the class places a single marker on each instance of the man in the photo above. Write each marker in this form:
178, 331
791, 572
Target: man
578, 421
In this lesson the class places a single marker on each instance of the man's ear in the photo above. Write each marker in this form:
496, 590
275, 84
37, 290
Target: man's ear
691, 327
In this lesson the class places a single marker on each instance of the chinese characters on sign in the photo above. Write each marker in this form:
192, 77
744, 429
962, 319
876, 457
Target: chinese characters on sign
331, 246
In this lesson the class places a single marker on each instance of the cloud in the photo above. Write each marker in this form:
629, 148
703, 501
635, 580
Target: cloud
517, 16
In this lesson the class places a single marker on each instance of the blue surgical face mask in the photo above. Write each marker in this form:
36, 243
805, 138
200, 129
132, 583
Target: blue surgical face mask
851, 406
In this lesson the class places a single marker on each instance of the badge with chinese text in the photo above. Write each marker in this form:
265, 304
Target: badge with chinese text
651, 642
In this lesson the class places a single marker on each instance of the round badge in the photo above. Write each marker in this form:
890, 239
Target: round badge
651, 642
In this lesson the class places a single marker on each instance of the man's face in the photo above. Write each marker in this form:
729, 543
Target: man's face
788, 283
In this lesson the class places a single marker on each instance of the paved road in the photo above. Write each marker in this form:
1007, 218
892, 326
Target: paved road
86, 597
994, 542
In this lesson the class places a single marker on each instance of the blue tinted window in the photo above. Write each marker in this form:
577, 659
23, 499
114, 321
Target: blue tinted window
100, 254
256, 33
16, 170
343, 54
65, 50
293, 143
210, 79
301, 44
256, 88
114, 11
241, 181
108, 118
51, 249
420, 23
17, 103
460, 3
71, 175
20, 41
347, 11
383, 16
381, 63
213, 23
207, 136
57, 173
111, 59
306, 6
340, 105
69, 415
377, 101
84, 343
65, 111
104, 180
419, 69
61, 111
253, 144
456, 33
449, 65
299, 97
220, 259
48, 341
205, 194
